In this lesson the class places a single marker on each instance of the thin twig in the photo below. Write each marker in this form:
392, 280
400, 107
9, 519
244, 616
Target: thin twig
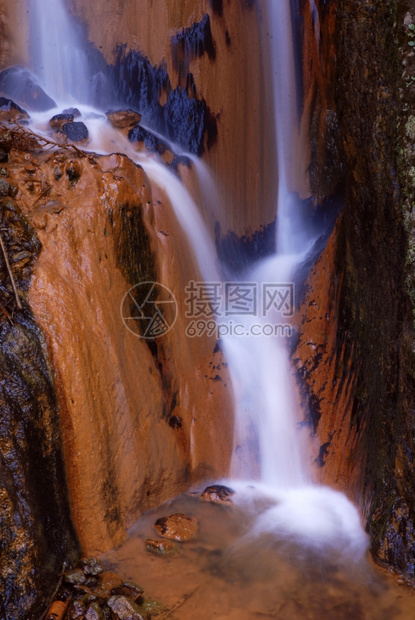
6, 260
55, 592
41, 141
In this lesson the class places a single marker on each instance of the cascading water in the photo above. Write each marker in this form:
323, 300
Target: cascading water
268, 444
59, 58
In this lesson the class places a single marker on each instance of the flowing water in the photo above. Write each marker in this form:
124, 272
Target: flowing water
285, 547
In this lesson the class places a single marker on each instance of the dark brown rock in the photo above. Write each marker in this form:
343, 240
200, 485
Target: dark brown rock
217, 493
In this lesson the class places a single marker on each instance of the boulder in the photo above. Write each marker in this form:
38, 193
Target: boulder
121, 119
76, 132
21, 85
177, 527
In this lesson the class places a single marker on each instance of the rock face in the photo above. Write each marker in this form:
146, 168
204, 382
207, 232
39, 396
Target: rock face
35, 527
356, 342
102, 228
117, 391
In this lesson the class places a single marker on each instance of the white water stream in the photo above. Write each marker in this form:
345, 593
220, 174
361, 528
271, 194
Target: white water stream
267, 434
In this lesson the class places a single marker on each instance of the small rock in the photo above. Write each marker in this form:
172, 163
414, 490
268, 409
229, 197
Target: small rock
77, 131
128, 588
217, 493
121, 119
90, 566
407, 19
76, 610
160, 547
94, 612
177, 527
76, 577
123, 608
60, 119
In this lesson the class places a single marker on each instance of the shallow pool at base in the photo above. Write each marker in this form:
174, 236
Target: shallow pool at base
225, 573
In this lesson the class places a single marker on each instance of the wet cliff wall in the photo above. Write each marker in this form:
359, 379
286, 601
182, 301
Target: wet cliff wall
356, 352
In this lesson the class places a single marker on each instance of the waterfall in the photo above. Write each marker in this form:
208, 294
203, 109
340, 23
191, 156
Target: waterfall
59, 58
268, 443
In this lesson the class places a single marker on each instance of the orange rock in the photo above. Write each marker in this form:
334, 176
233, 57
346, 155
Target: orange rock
177, 527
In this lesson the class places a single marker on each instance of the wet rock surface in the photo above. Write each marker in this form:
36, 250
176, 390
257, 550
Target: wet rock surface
64, 195
359, 78
151, 141
217, 493
35, 526
191, 43
20, 84
160, 547
184, 118
178, 527
58, 120
76, 131
123, 119
9, 110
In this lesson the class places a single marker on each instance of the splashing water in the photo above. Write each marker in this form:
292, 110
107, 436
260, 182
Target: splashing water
268, 444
